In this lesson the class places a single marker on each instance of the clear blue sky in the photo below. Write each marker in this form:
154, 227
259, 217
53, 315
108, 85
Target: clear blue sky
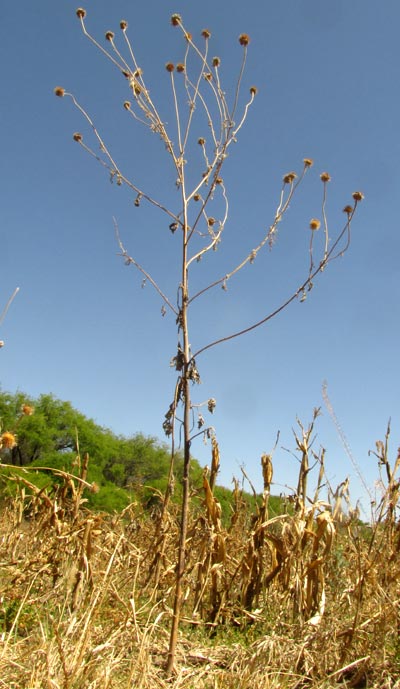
82, 328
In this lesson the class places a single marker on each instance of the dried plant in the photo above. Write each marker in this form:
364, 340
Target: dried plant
198, 226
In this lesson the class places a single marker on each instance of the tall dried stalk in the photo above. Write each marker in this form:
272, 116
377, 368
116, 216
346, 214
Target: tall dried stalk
200, 104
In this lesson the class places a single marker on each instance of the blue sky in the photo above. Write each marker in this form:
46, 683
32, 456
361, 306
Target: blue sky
82, 328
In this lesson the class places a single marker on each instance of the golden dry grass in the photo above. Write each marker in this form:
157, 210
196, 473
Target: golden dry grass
309, 598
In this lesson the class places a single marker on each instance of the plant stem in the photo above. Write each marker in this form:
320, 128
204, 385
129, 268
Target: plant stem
183, 324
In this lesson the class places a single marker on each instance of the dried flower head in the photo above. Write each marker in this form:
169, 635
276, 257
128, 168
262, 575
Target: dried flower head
315, 224
308, 162
176, 19
208, 76
348, 210
59, 91
196, 197
211, 221
253, 90
8, 440
244, 39
357, 196
325, 177
180, 67
27, 409
216, 61
77, 137
173, 227
211, 404
206, 33
109, 35
123, 25
169, 67
81, 13
218, 180
201, 141
2, 343
289, 177
127, 105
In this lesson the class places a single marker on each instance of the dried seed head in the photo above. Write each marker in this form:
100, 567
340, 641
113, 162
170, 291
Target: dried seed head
81, 13
77, 137
196, 197
218, 180
211, 221
208, 76
127, 105
8, 440
2, 343
358, 195
325, 177
173, 227
109, 35
59, 91
244, 39
169, 67
27, 409
253, 90
308, 162
201, 141
123, 25
211, 404
315, 224
180, 67
206, 33
289, 177
348, 210
176, 19
216, 61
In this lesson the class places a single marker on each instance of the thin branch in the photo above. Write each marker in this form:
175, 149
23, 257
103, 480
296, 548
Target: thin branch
7, 306
268, 237
137, 265
114, 170
288, 301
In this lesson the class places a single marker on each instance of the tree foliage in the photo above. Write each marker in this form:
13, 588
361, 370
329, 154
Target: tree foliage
124, 468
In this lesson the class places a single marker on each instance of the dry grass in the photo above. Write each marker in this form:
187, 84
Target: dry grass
306, 599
